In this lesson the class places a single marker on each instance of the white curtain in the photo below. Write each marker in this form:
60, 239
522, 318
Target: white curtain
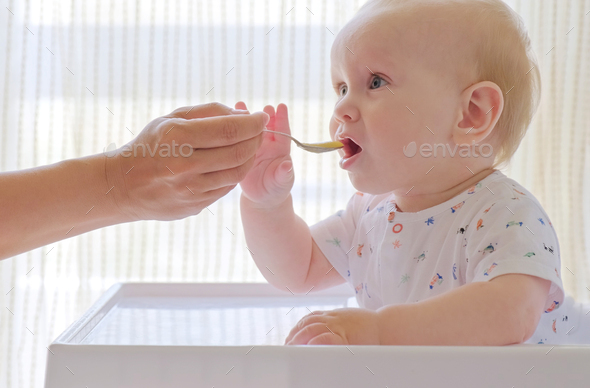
79, 75
553, 161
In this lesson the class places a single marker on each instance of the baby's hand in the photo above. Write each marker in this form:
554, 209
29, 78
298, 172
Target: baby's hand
269, 182
350, 326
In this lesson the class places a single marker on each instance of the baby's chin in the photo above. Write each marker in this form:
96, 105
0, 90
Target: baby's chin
369, 185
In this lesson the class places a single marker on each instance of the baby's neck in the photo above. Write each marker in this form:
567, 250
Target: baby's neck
414, 203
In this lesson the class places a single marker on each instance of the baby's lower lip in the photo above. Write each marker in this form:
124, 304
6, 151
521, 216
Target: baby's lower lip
346, 163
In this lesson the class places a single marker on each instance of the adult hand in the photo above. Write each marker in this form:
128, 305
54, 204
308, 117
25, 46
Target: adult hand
193, 156
184, 161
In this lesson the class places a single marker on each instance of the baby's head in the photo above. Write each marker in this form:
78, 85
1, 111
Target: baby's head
458, 74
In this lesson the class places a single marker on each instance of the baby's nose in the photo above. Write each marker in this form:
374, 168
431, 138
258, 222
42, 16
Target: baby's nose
346, 111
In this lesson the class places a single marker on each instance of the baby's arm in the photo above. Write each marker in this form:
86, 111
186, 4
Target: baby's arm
502, 311
284, 250
279, 240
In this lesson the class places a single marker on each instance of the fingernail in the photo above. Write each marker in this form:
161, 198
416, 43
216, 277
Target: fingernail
266, 118
239, 111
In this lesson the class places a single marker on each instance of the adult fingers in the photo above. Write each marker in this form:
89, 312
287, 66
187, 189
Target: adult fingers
232, 176
213, 196
201, 111
308, 332
223, 158
194, 201
220, 131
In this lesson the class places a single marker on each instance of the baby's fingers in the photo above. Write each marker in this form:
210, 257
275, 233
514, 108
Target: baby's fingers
307, 320
283, 176
270, 111
279, 120
282, 119
326, 339
303, 336
282, 144
241, 105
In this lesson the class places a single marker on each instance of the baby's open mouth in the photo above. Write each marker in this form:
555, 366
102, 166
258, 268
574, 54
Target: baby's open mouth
350, 147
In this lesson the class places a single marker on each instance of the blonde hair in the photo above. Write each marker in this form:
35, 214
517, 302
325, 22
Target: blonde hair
505, 57
500, 52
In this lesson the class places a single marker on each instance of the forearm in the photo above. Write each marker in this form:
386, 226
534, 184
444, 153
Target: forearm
46, 204
280, 242
476, 314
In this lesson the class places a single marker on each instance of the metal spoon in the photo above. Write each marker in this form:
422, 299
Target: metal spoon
317, 148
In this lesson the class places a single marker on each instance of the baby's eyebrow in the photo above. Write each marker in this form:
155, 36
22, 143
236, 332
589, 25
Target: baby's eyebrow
387, 67
335, 77
389, 63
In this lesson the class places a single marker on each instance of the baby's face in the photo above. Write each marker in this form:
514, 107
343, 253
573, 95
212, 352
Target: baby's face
388, 98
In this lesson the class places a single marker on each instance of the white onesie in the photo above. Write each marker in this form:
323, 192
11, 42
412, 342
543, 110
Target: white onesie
495, 227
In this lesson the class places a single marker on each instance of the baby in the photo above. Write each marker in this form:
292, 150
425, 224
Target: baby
440, 247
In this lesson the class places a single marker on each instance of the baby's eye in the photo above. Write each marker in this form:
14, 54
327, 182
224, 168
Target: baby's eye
343, 90
377, 82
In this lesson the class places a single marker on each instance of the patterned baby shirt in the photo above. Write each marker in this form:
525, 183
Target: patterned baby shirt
391, 257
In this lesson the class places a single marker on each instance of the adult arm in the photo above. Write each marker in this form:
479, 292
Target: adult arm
45, 204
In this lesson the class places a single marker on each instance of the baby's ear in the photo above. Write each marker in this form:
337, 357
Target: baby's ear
480, 108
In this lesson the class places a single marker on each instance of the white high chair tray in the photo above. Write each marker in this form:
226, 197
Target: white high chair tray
230, 335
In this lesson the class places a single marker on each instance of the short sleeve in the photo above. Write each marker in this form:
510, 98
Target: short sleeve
334, 235
514, 236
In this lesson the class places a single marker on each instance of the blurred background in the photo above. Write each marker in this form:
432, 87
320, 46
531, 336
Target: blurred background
76, 76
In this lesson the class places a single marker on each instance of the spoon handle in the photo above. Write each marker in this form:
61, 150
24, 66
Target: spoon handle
279, 133
315, 148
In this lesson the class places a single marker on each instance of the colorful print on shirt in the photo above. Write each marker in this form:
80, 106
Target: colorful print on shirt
392, 257
436, 279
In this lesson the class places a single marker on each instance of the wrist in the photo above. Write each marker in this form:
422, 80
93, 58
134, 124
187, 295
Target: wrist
88, 206
268, 207
387, 328
116, 189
